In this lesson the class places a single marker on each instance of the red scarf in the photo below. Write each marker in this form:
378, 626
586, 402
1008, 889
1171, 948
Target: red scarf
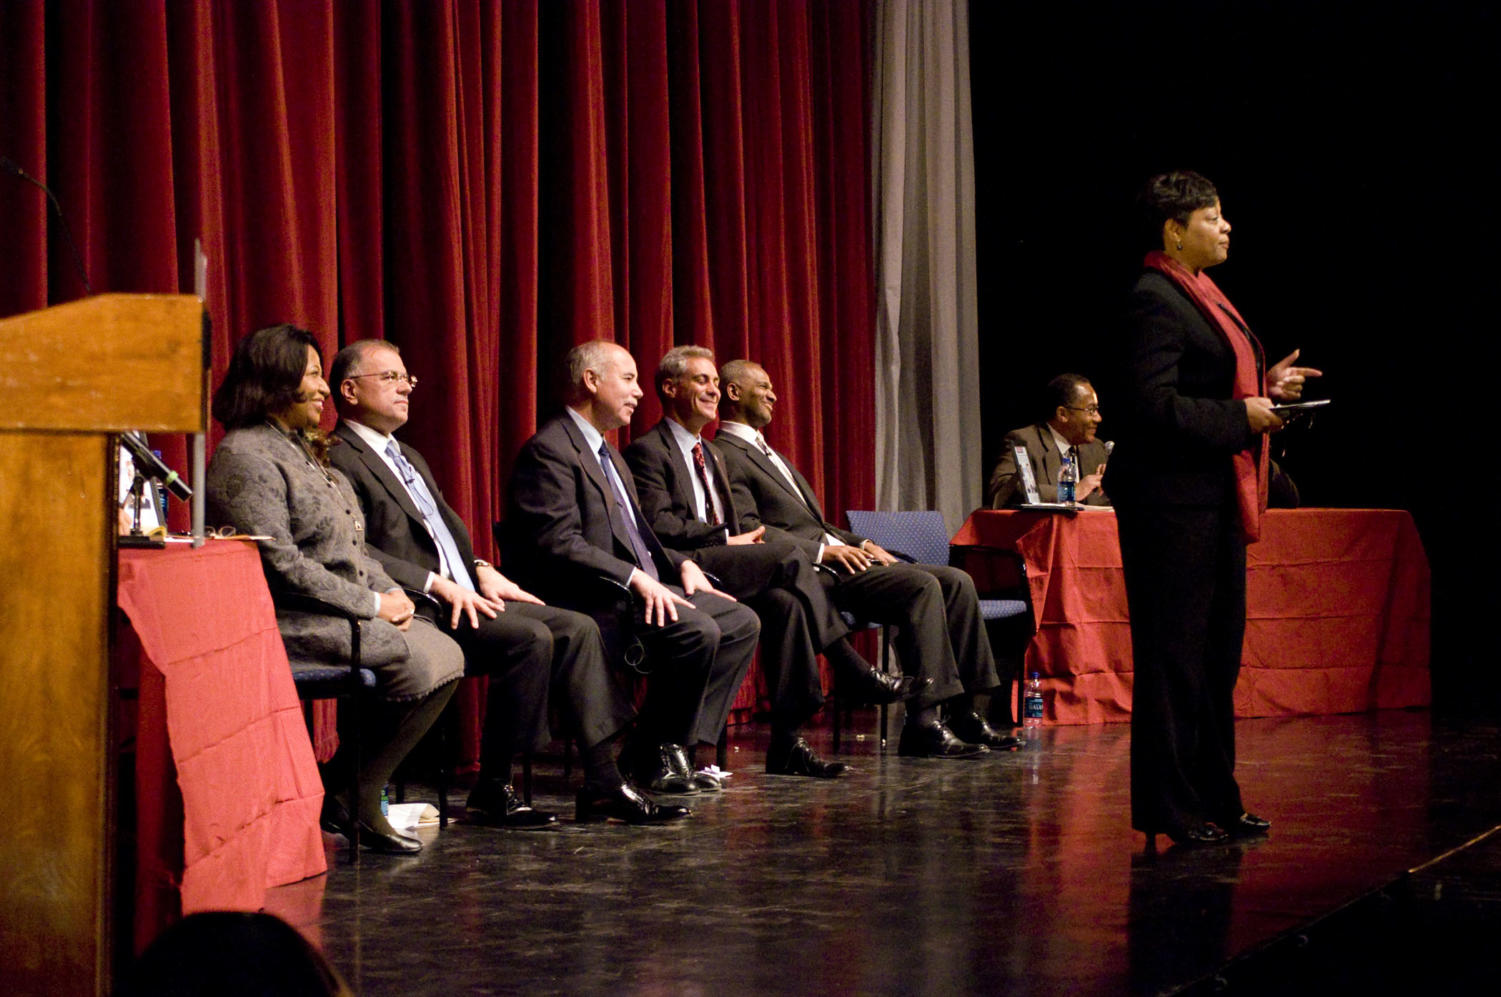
1250, 465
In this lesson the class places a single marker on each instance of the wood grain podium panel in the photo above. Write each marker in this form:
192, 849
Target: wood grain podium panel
105, 364
54, 738
71, 376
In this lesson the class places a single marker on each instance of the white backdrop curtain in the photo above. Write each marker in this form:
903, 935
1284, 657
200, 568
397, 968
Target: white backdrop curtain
928, 450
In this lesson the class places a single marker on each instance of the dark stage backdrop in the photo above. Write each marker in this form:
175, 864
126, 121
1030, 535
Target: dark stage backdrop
1351, 147
485, 184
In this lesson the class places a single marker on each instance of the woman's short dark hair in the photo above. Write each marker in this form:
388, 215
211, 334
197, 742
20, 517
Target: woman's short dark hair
265, 375
1175, 196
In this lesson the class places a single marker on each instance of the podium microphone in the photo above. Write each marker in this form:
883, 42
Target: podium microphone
151, 466
10, 166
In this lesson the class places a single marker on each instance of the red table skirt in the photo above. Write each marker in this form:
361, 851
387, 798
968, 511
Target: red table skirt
1336, 619
218, 706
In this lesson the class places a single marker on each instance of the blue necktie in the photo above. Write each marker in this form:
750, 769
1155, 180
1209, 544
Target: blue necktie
417, 489
638, 544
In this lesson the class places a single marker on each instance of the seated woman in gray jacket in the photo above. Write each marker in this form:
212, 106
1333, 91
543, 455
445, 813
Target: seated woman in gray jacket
270, 476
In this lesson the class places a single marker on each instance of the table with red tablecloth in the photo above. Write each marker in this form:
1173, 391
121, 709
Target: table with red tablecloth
1336, 618
217, 706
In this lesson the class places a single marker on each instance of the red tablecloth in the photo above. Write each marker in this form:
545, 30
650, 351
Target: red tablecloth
217, 692
1336, 618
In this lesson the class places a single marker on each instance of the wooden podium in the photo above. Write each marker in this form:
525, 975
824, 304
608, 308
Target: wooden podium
70, 376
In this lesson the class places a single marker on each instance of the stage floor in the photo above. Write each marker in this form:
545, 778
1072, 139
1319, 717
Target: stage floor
1017, 873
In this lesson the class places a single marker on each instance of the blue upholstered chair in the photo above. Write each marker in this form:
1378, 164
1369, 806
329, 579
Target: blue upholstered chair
922, 537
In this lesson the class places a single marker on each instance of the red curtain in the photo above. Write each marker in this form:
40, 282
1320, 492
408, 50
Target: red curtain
485, 184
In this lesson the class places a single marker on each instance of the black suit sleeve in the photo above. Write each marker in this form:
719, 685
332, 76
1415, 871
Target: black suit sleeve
545, 511
747, 492
1159, 320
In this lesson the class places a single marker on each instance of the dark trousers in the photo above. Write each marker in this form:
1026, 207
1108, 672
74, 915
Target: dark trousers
798, 619
696, 663
939, 632
525, 652
1185, 572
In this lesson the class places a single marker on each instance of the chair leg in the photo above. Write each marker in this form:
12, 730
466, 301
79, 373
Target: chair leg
526, 777
354, 748
885, 667
722, 750
444, 756
835, 709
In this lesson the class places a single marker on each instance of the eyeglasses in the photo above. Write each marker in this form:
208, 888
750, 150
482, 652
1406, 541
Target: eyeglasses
388, 377
1087, 410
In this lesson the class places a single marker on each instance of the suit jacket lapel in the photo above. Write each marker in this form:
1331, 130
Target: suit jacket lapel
1052, 461
808, 495
722, 486
768, 468
377, 466
589, 461
682, 484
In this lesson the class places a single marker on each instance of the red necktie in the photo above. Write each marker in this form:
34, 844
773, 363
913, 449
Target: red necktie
703, 476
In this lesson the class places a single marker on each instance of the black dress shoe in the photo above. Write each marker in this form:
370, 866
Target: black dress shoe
1246, 825
664, 769
1191, 834
388, 843
934, 740
875, 687
797, 758
677, 757
967, 725
707, 781
623, 803
496, 804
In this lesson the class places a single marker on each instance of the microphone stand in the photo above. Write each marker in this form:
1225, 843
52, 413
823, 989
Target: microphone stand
135, 538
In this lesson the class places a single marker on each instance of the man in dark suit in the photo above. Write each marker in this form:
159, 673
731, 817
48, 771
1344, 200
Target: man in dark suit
685, 496
1068, 431
575, 534
936, 611
523, 646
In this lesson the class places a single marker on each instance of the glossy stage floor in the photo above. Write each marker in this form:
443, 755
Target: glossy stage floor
1013, 874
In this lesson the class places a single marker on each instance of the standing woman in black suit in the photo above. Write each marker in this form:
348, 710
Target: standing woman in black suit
1188, 478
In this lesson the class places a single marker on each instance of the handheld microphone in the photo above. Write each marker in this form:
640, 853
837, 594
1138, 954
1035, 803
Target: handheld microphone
9, 166
150, 465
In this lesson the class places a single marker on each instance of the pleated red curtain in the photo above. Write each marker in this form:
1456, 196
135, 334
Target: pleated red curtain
485, 184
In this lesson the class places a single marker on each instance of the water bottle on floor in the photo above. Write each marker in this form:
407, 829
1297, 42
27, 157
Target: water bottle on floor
1032, 703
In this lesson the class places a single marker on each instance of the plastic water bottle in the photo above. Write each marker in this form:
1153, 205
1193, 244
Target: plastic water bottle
1068, 475
1032, 702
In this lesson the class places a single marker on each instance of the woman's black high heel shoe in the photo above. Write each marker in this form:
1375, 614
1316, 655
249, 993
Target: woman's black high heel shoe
1189, 835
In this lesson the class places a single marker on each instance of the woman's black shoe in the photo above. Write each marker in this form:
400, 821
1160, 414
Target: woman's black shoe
1246, 825
394, 843
1189, 835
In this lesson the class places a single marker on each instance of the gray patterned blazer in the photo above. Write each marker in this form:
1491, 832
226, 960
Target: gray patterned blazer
261, 480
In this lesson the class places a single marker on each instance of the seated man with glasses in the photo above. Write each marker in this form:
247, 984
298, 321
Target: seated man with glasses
527, 649
1068, 430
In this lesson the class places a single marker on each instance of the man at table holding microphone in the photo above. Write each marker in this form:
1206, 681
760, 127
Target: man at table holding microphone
1068, 431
